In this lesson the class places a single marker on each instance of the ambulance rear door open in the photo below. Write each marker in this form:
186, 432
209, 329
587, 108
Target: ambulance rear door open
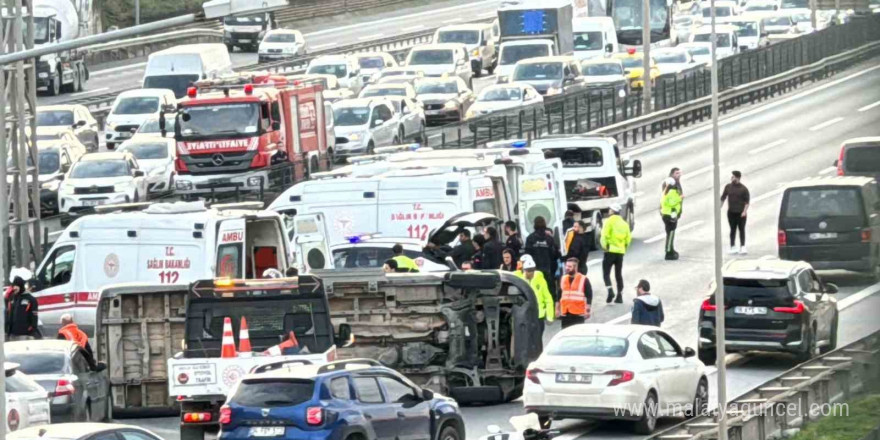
230, 256
310, 242
489, 194
538, 197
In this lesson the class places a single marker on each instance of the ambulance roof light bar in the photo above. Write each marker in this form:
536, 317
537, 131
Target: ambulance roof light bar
508, 143
238, 205
360, 160
122, 207
398, 148
226, 287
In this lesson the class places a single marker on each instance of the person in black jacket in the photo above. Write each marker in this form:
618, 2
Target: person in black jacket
567, 221
647, 308
543, 248
22, 314
491, 249
465, 249
578, 246
477, 259
514, 240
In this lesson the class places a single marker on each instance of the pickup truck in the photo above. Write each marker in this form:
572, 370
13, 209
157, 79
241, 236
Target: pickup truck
142, 328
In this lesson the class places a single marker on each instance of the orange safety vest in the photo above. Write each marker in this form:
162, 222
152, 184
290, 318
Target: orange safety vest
72, 333
573, 301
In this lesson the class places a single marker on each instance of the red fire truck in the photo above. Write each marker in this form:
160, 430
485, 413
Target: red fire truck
249, 133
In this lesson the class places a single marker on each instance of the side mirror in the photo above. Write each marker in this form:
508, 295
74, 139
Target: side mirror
133, 130
378, 122
609, 48
80, 123
64, 168
831, 288
636, 169
344, 338
689, 352
352, 74
427, 394
139, 173
276, 125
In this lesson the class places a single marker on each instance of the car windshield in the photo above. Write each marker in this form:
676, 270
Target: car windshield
537, 71
49, 162
351, 116
273, 393
792, 4
862, 159
501, 94
761, 7
383, 91
337, 70
371, 62
52, 118
444, 87
516, 53
280, 38
777, 21
38, 363
723, 39
576, 157
176, 83
137, 105
365, 257
588, 41
757, 292
683, 21
152, 126
800, 17
244, 20
634, 62
671, 58
746, 29
158, 150
463, 37
19, 383
816, 203
699, 50
430, 57
221, 120
602, 69
593, 346
92, 169
720, 11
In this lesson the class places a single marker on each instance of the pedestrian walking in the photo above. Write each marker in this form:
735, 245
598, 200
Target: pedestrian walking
542, 247
615, 239
403, 262
577, 245
737, 196
491, 249
508, 263
670, 212
647, 307
464, 250
71, 332
539, 285
22, 313
514, 239
577, 295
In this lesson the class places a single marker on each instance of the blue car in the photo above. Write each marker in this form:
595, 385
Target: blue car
343, 400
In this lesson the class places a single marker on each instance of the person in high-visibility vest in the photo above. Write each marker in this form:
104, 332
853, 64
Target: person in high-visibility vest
577, 295
670, 211
615, 239
404, 263
536, 279
71, 332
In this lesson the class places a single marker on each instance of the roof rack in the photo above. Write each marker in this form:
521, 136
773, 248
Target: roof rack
238, 205
344, 364
274, 366
122, 207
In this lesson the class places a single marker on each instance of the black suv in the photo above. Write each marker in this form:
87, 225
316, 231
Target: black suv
832, 223
771, 305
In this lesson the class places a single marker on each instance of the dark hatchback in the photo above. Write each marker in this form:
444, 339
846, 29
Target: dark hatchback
832, 223
771, 305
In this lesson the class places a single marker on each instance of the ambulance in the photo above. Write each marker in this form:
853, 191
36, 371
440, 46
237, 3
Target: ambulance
163, 243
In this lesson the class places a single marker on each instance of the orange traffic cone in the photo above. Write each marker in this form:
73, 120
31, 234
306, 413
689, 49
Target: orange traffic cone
278, 350
244, 339
228, 348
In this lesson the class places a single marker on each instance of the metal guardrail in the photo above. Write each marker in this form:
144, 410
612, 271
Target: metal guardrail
144, 45
792, 399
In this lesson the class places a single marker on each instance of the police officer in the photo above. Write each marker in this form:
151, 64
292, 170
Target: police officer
544, 250
539, 285
670, 211
404, 263
22, 314
615, 239
577, 295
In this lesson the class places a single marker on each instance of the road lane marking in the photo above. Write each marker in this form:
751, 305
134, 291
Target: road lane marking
750, 113
828, 170
690, 175
869, 106
858, 296
87, 92
403, 17
413, 28
117, 69
768, 195
662, 236
454, 20
322, 46
768, 146
620, 319
826, 124
371, 37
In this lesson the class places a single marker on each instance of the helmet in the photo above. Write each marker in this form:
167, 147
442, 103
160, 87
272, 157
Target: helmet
615, 207
669, 181
528, 263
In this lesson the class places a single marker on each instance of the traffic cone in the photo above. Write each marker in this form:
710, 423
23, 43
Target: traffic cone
278, 350
228, 348
244, 340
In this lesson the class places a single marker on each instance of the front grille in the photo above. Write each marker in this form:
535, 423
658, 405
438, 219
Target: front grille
126, 128
231, 161
434, 106
341, 140
244, 35
93, 190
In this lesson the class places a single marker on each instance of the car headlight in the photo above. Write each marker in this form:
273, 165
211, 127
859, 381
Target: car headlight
110, 127
354, 137
450, 105
469, 114
290, 49
120, 187
51, 185
66, 190
554, 91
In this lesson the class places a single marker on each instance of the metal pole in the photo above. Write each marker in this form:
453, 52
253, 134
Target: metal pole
646, 49
719, 281
813, 14
137, 12
5, 261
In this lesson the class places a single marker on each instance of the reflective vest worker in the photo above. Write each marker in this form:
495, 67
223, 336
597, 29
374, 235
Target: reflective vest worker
615, 239
404, 263
539, 286
670, 211
71, 332
574, 305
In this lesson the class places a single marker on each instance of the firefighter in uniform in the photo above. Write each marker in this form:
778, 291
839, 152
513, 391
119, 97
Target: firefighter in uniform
577, 295
404, 263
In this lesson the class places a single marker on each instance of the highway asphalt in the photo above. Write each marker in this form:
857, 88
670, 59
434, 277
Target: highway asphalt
792, 137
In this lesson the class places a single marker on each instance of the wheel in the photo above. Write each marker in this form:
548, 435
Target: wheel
73, 86
707, 356
809, 346
471, 83
55, 86
95, 144
110, 146
648, 422
449, 433
396, 140
832, 340
631, 217
701, 400
491, 69
192, 433
401, 134
597, 233
230, 48
136, 197
370, 147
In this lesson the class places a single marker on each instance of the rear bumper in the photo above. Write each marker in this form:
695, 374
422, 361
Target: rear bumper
828, 257
290, 433
442, 116
612, 403
62, 412
788, 340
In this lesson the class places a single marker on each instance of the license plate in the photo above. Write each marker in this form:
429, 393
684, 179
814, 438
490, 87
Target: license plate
93, 202
125, 134
574, 378
244, 41
742, 310
822, 235
267, 431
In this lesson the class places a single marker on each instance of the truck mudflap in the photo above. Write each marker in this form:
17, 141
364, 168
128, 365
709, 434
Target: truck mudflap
469, 335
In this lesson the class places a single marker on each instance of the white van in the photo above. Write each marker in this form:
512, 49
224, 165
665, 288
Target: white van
594, 37
131, 109
177, 67
727, 43
512, 52
165, 243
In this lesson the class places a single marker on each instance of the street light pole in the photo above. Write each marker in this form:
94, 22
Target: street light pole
646, 52
137, 12
719, 280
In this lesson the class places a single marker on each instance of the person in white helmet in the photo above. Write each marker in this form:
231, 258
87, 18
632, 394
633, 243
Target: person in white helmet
530, 273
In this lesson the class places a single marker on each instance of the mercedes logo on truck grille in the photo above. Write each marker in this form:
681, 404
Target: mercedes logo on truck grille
217, 159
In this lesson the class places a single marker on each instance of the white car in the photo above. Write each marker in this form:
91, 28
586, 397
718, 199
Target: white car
73, 116
725, 10
603, 372
412, 118
150, 128
101, 179
155, 157
700, 51
363, 124
761, 6
372, 63
438, 60
779, 24
280, 44
672, 59
505, 99
131, 109
332, 90
603, 74
395, 75
27, 403
802, 20
343, 67
404, 90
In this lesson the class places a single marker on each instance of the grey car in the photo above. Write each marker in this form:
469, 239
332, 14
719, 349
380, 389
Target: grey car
78, 393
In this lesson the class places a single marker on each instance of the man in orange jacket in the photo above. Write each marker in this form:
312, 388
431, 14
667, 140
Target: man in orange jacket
577, 295
71, 332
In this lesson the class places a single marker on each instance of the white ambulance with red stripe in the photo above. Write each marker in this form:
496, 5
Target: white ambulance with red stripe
163, 243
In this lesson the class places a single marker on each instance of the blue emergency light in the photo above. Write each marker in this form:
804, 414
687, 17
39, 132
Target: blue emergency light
519, 144
354, 239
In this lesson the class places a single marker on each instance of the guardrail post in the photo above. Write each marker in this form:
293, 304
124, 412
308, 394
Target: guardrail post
589, 113
613, 108
505, 127
520, 132
535, 122
602, 109
562, 120
491, 123
577, 120
443, 139
547, 115
458, 130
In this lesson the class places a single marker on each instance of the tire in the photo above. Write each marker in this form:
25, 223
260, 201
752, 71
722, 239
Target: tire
83, 77
110, 146
832, 340
471, 83
71, 88
423, 135
97, 145
597, 233
631, 217
809, 349
449, 433
370, 147
230, 48
401, 134
707, 356
137, 198
192, 433
700, 405
396, 140
55, 87
646, 424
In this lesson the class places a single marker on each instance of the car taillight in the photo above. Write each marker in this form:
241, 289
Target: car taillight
315, 415
180, 166
840, 161
197, 417
13, 420
797, 309
781, 238
620, 376
225, 415
866, 235
532, 375
707, 306
64, 387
